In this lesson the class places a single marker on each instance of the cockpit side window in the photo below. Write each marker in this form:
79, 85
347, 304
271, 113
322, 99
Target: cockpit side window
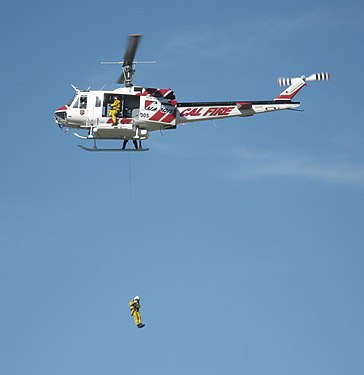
83, 101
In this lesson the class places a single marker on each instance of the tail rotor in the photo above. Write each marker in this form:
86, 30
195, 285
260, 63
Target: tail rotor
319, 77
295, 84
313, 77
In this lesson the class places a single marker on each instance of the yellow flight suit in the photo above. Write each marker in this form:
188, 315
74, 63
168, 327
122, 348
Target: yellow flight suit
115, 109
134, 311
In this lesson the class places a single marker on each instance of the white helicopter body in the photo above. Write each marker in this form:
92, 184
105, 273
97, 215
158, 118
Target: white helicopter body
144, 110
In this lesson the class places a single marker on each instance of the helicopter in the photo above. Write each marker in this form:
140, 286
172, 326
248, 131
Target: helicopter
142, 110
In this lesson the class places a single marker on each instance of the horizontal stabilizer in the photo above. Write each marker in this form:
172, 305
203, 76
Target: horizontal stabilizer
244, 105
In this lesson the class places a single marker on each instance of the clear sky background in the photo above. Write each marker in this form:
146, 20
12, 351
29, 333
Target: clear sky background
243, 237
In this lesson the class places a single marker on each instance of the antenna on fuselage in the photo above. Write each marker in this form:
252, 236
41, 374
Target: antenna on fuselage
75, 88
126, 77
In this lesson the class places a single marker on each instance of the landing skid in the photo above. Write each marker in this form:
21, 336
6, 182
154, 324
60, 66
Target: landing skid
112, 149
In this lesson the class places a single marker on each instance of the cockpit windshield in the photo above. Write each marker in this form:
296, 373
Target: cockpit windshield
71, 100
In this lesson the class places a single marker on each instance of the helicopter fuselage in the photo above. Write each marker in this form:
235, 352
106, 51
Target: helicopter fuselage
148, 109
132, 112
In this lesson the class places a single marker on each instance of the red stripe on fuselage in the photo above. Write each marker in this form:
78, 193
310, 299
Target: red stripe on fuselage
169, 118
157, 116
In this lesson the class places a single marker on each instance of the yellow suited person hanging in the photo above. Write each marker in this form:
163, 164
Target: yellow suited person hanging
134, 305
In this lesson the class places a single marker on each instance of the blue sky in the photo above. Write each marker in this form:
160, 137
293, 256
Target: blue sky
243, 237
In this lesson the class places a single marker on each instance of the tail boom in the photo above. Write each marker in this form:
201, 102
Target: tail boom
199, 111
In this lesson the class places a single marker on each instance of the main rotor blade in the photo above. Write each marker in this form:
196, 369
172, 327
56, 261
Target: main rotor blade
131, 49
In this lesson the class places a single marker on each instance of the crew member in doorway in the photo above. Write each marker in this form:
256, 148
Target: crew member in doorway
134, 305
115, 109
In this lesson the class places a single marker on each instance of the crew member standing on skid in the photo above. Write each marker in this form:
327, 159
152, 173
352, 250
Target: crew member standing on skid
134, 305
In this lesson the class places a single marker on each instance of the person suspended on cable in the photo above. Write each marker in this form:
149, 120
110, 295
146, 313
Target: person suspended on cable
134, 305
